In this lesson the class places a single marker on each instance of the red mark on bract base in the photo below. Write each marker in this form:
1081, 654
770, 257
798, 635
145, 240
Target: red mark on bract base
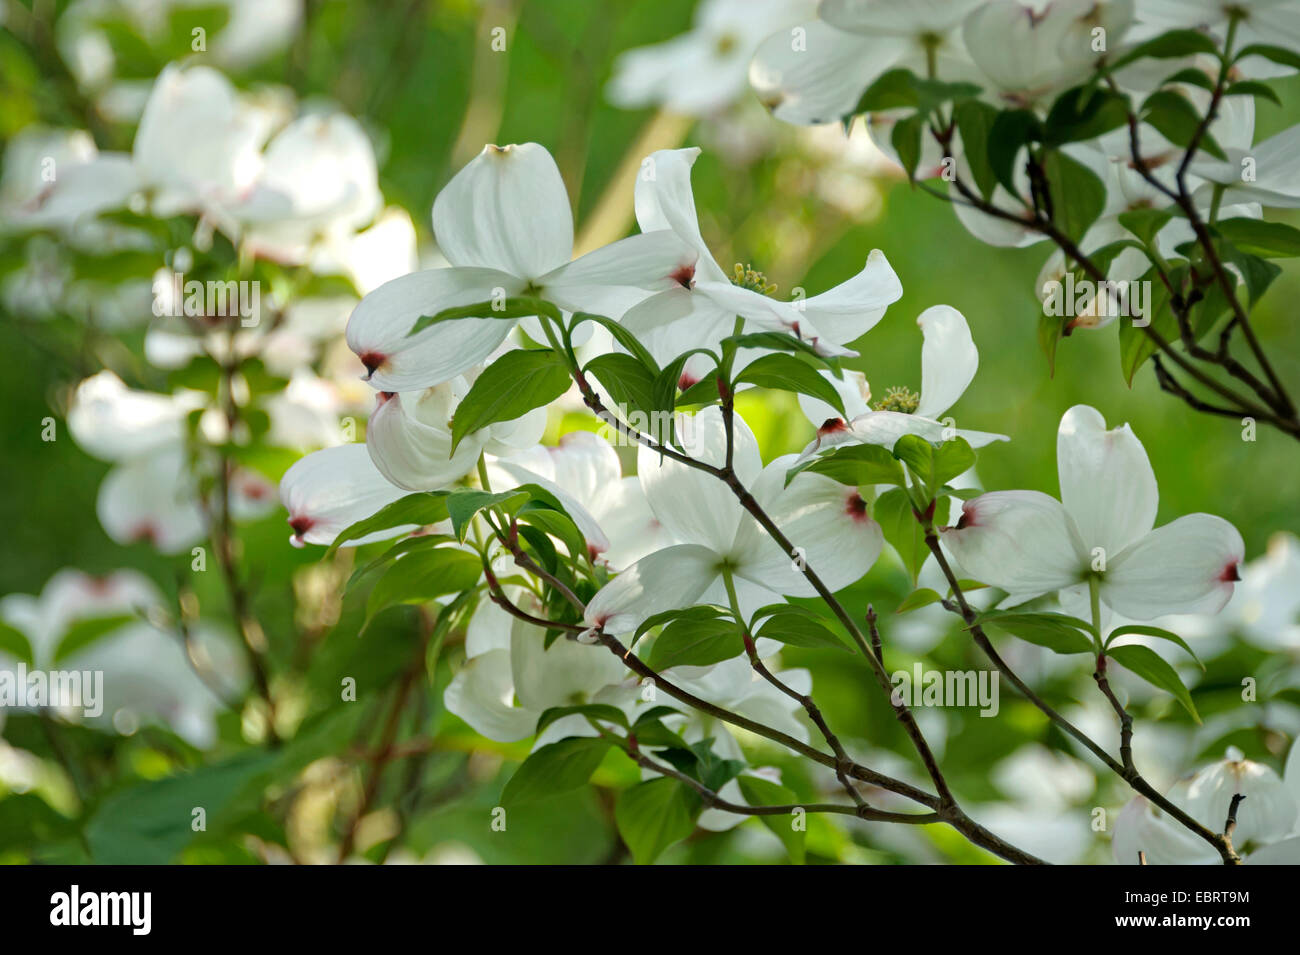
145, 532
1230, 573
100, 586
857, 507
685, 380
372, 360
683, 275
383, 398
831, 425
301, 525
968, 516
255, 491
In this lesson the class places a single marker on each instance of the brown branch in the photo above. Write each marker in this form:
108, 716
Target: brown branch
1128, 773
944, 803
1125, 718
1281, 415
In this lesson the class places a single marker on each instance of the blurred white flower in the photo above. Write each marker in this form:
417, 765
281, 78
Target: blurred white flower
704, 70
147, 673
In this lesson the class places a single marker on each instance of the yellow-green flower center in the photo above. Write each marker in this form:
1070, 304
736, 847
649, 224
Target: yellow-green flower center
899, 399
747, 277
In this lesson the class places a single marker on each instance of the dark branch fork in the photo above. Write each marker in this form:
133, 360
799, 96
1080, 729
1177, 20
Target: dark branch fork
1269, 402
943, 803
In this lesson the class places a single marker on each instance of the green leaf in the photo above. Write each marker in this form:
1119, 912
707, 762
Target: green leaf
664, 390
464, 503
779, 341
695, 642
1258, 273
891, 90
900, 88
932, 93
512, 308
906, 140
1271, 240
893, 512
1084, 112
149, 824
1145, 223
856, 465
918, 599
787, 373
1278, 54
555, 769
421, 576
511, 386
418, 510
406, 546
951, 459
1158, 632
759, 791
975, 121
687, 613
934, 466
14, 642
1174, 116
1167, 46
1151, 667
622, 335
710, 768
918, 454
1135, 345
1253, 88
1051, 329
629, 382
649, 731
653, 714
664, 394
1191, 76
769, 609
703, 392
595, 711
800, 630
1012, 130
654, 815
1055, 631
1078, 195
556, 523
87, 631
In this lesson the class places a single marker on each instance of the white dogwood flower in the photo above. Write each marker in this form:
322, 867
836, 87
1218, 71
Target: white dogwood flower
503, 689
318, 185
505, 225
827, 521
1103, 528
587, 470
409, 436
1030, 50
329, 490
702, 309
1267, 172
949, 360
